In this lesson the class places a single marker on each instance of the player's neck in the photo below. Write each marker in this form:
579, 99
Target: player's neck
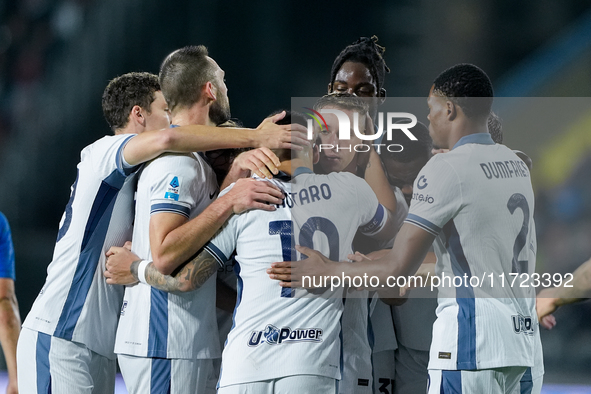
289, 166
197, 114
466, 127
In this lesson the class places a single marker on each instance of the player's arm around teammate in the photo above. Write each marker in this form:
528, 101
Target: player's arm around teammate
200, 138
124, 267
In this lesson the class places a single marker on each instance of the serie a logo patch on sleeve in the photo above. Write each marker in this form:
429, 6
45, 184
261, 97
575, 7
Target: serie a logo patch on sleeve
172, 191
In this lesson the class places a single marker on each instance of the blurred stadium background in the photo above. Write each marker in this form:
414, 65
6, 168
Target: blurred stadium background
56, 57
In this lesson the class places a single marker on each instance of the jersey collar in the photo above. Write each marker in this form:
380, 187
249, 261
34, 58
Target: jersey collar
476, 138
302, 170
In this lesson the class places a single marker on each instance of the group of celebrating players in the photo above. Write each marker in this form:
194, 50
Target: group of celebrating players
283, 210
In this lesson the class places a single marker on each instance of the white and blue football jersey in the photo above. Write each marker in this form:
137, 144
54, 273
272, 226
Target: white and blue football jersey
478, 200
76, 303
155, 323
279, 332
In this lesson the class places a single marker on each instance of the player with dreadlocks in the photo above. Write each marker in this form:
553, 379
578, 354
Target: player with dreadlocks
360, 70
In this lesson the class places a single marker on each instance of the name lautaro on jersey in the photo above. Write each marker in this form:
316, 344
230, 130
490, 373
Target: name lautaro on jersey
275, 336
305, 196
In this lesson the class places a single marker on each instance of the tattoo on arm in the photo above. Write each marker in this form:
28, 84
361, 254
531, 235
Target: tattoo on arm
191, 276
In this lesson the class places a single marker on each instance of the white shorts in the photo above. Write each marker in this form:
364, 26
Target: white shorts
384, 371
485, 381
144, 375
297, 384
529, 385
411, 370
48, 364
356, 376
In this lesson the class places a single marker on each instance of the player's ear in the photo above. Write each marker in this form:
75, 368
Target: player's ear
382, 95
452, 110
316, 151
329, 87
136, 115
210, 91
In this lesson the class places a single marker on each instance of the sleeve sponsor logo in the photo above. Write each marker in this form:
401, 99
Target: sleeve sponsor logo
419, 197
172, 193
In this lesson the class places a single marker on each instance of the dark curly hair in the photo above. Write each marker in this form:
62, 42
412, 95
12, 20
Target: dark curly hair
125, 92
495, 128
366, 51
467, 86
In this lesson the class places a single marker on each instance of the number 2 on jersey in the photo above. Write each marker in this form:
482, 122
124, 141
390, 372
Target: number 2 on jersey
284, 228
518, 200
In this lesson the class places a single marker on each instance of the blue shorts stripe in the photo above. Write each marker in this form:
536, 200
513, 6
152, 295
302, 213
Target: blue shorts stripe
526, 384
90, 253
42, 363
158, 332
160, 376
451, 382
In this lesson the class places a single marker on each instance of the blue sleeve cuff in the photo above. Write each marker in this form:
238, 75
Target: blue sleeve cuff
216, 253
423, 223
170, 208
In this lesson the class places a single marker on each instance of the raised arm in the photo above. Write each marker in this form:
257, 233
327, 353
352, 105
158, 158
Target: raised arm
200, 138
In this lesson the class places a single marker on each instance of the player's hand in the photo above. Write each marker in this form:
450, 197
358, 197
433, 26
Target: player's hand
290, 273
127, 245
118, 266
271, 135
548, 322
358, 257
260, 161
249, 193
12, 387
545, 306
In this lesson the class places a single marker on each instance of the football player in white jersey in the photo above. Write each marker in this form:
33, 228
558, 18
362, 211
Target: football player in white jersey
281, 341
68, 336
478, 201
166, 342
